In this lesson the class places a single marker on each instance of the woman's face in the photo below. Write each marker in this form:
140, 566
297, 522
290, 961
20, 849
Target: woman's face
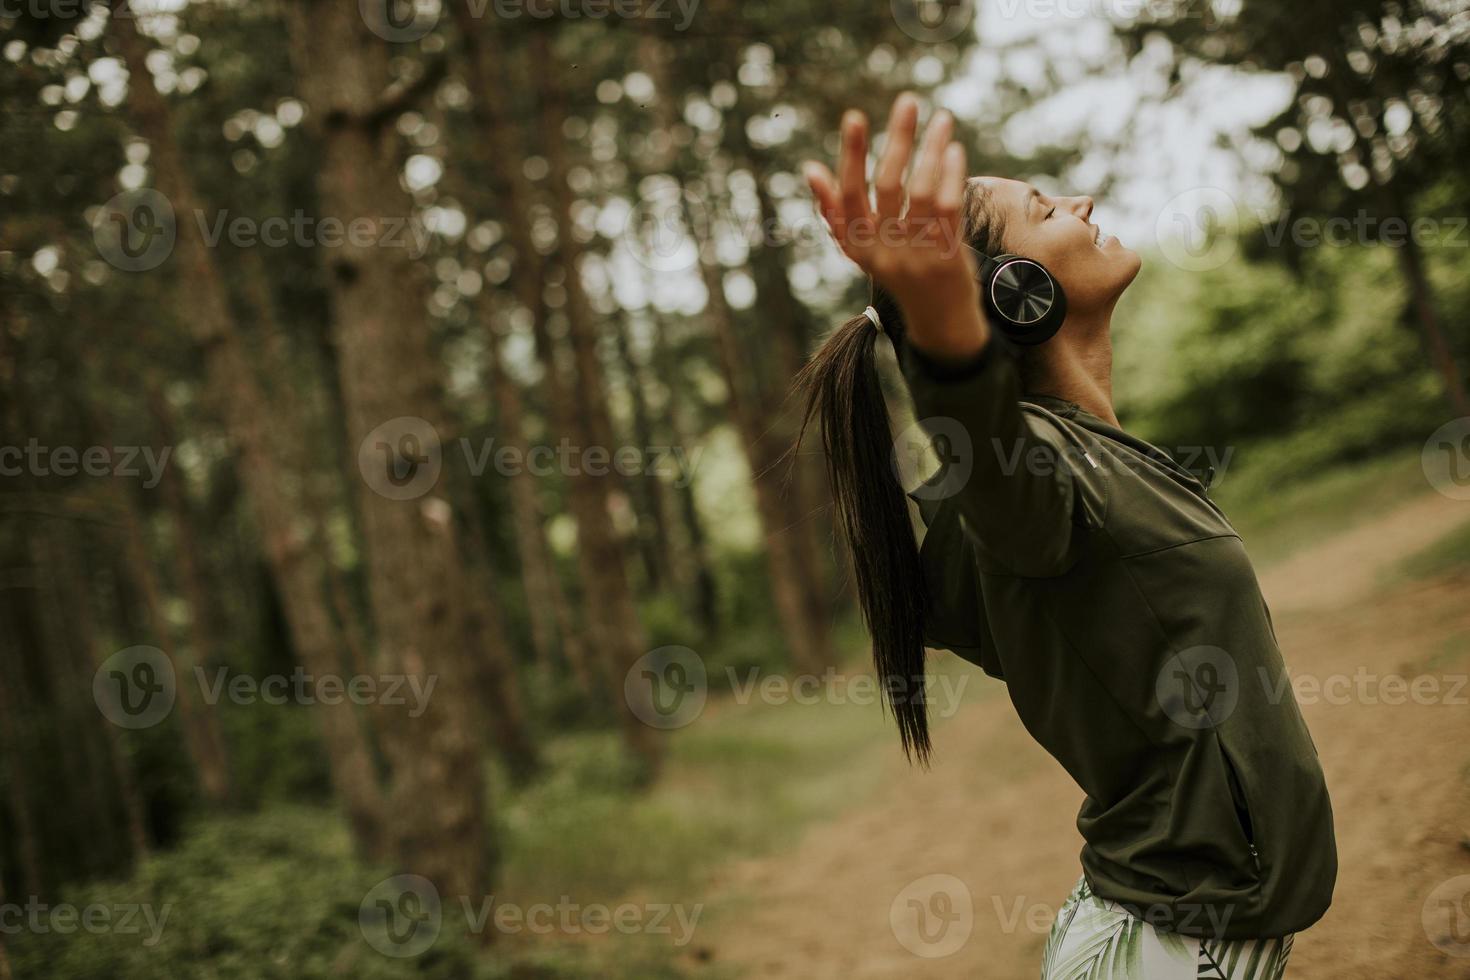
1092, 266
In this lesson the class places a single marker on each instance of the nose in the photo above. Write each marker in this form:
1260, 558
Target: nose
1080, 206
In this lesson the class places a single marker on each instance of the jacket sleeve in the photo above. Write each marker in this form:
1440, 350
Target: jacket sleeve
1010, 475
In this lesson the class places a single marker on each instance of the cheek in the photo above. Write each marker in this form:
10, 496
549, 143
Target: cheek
1093, 277
1089, 278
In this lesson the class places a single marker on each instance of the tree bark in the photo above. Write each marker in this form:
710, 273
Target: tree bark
213, 756
495, 672
806, 634
797, 572
648, 488
416, 580
513, 192
1426, 315
259, 440
549, 611
617, 629
61, 551
685, 510
20, 799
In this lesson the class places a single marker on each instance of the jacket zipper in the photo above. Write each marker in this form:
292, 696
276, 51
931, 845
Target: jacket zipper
1235, 780
1189, 480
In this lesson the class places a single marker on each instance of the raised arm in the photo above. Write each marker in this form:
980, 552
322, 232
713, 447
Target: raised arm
1011, 478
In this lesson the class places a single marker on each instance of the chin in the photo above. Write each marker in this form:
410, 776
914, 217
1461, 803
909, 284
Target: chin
1131, 262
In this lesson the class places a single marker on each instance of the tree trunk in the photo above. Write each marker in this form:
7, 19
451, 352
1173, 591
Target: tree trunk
797, 573
648, 488
700, 573
213, 757
389, 378
194, 716
62, 558
617, 629
1426, 315
20, 798
806, 633
495, 672
259, 439
549, 612
809, 516
513, 192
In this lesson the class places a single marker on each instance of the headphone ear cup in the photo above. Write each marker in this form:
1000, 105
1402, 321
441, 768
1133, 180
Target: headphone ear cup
1023, 299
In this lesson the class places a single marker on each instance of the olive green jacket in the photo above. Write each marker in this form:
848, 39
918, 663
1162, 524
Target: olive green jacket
1093, 574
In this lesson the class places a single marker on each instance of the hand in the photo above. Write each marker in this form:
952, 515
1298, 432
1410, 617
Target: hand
917, 254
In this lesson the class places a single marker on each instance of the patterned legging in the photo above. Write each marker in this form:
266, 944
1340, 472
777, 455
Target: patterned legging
1097, 939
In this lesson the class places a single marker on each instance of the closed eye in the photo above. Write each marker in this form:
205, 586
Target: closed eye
1050, 213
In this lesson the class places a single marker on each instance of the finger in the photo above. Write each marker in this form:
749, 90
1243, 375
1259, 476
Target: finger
950, 197
898, 147
951, 193
852, 168
824, 190
924, 179
829, 205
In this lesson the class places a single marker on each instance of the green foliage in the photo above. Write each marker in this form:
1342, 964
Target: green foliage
274, 895
1450, 553
740, 779
1276, 517
276, 752
1250, 353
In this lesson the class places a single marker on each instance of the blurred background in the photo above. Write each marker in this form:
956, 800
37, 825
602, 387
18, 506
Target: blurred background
404, 569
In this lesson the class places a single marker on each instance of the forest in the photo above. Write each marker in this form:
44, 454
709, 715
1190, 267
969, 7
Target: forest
402, 517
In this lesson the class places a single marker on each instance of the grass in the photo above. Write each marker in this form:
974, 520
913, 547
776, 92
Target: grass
736, 782
1276, 520
277, 892
1450, 553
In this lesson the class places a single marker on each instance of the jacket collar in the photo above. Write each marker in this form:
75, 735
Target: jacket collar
1058, 406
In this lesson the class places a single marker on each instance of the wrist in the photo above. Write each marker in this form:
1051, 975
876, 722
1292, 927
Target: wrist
947, 331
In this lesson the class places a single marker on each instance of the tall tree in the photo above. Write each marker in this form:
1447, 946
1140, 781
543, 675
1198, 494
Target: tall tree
507, 193
388, 372
1381, 103
617, 628
261, 456
578, 407
796, 577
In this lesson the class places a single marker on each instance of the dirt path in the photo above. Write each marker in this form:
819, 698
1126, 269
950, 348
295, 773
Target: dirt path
996, 813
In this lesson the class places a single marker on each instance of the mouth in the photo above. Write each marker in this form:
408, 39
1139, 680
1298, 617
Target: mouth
1098, 238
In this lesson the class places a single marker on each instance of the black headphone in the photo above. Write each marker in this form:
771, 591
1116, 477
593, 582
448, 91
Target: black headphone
1021, 297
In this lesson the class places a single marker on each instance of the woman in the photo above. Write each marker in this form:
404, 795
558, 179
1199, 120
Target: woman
1076, 562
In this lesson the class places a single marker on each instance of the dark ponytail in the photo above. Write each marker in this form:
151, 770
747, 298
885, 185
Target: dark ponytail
845, 395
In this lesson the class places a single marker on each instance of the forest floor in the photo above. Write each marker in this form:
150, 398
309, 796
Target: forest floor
997, 813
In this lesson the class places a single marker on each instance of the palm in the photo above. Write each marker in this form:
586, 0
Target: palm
909, 250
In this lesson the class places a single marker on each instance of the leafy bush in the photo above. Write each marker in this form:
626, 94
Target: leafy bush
270, 895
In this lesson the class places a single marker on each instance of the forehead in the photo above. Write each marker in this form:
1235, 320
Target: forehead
1009, 196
